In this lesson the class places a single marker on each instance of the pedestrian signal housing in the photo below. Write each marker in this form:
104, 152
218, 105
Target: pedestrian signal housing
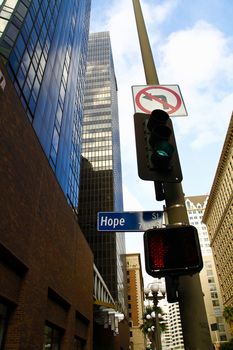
172, 250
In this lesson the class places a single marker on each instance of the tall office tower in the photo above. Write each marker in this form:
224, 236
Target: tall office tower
44, 46
101, 180
212, 297
218, 218
135, 292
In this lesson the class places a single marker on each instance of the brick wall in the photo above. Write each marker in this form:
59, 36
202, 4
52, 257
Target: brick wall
46, 270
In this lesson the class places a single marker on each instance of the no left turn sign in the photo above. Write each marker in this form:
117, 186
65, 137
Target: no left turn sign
166, 97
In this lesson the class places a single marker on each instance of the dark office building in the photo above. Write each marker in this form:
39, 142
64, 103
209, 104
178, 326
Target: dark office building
44, 46
101, 181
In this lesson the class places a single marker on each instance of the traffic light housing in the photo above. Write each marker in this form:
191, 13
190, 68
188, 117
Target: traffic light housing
157, 154
172, 251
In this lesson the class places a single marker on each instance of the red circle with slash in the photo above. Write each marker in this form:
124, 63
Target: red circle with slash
144, 92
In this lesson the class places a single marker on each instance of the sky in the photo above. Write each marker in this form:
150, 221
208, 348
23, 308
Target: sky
192, 46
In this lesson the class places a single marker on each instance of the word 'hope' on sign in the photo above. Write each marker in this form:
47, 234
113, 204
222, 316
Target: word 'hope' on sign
110, 222
128, 221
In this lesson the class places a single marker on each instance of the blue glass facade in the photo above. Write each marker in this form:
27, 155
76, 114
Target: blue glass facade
44, 45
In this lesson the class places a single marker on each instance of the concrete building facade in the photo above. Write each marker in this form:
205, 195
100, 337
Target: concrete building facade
174, 338
209, 280
218, 217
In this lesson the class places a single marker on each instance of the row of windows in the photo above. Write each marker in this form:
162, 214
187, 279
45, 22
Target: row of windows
98, 103
102, 165
96, 146
100, 78
195, 217
95, 59
98, 154
98, 136
92, 110
91, 89
52, 334
99, 94
223, 247
96, 119
104, 125
224, 194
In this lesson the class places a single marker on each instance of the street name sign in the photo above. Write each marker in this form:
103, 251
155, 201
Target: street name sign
129, 221
166, 97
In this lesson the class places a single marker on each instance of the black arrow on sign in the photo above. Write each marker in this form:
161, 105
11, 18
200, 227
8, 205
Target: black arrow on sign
161, 97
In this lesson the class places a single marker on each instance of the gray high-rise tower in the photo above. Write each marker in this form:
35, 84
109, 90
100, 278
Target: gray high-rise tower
101, 179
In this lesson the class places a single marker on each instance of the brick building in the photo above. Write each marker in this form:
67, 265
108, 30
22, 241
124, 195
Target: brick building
44, 298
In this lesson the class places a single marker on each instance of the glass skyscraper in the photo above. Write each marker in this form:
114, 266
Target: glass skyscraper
44, 46
101, 179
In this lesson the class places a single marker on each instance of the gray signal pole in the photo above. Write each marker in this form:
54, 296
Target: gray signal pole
192, 309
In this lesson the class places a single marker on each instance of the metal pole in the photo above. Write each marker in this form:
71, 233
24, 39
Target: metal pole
192, 309
147, 57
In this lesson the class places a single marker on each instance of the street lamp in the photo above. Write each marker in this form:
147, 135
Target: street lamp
155, 291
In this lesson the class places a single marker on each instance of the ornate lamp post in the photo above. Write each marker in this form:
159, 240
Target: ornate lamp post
155, 291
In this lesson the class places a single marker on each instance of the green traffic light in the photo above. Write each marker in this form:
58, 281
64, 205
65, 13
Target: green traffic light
164, 149
162, 155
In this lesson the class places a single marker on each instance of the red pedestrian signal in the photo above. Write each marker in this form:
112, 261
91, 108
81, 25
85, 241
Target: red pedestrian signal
172, 250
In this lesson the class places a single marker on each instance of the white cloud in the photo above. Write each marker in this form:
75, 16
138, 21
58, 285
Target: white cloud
196, 56
156, 14
200, 59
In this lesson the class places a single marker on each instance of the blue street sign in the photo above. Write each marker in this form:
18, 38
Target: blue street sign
129, 221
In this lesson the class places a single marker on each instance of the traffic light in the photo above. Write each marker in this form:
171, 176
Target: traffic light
157, 155
172, 251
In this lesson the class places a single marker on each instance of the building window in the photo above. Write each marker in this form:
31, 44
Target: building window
52, 337
3, 322
79, 343
211, 280
223, 337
